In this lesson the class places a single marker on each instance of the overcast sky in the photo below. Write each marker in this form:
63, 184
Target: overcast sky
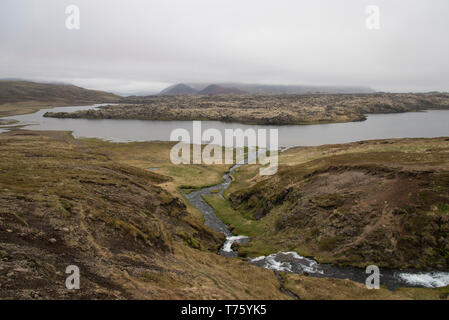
144, 45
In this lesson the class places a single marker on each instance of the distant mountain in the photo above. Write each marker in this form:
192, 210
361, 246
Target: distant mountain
283, 89
298, 89
301, 89
214, 89
19, 90
178, 89
135, 93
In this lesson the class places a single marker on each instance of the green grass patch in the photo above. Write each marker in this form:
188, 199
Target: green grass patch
233, 218
443, 208
189, 190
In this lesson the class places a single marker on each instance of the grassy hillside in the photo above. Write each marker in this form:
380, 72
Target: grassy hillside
99, 206
155, 156
65, 202
309, 288
19, 97
378, 202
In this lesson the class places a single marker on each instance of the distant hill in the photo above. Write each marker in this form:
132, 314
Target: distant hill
298, 89
178, 89
283, 89
18, 91
216, 89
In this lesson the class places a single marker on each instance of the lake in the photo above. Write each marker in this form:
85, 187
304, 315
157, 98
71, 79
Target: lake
434, 123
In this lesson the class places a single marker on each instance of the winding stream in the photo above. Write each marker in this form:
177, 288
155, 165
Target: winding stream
293, 262
210, 218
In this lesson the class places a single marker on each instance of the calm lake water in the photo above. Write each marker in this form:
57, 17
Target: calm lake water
427, 124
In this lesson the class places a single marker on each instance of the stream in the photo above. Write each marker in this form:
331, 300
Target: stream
295, 263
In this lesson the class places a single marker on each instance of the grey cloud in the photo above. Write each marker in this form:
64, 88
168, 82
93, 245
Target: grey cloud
136, 45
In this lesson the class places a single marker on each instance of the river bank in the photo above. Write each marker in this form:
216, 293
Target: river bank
269, 232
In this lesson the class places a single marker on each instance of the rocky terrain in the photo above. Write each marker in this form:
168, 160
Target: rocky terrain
264, 109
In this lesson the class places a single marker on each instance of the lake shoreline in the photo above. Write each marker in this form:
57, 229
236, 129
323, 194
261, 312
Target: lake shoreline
426, 124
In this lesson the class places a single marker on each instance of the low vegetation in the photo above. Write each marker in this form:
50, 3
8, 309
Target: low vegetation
65, 202
98, 205
309, 288
265, 109
378, 202
20, 97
